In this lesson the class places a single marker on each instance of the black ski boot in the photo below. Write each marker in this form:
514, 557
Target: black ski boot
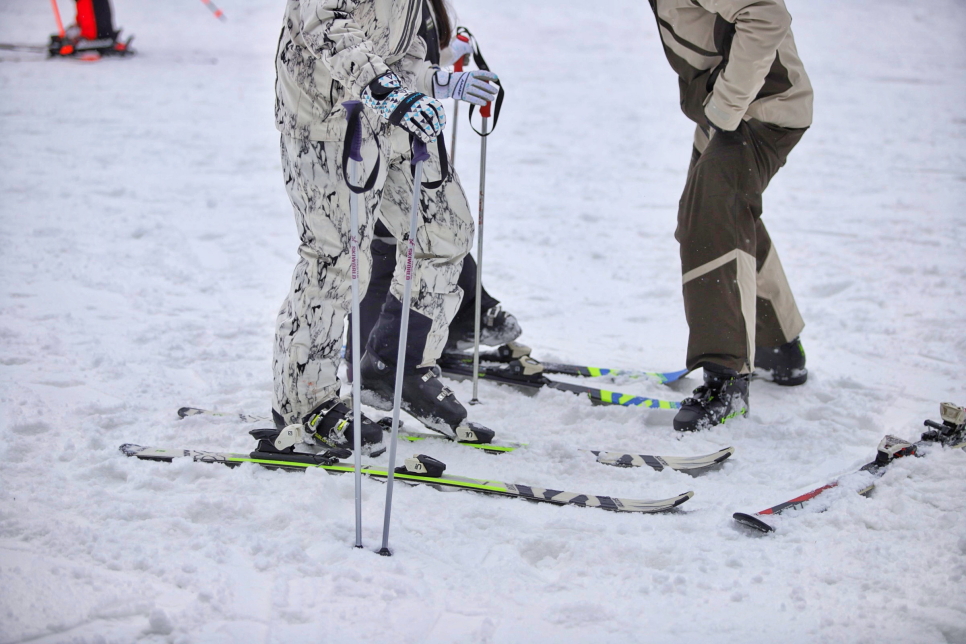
330, 423
784, 365
496, 327
423, 396
723, 396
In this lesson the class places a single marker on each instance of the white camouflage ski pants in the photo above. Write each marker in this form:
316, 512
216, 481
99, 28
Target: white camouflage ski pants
309, 328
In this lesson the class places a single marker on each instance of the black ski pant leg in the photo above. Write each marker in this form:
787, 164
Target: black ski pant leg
467, 282
721, 258
383, 264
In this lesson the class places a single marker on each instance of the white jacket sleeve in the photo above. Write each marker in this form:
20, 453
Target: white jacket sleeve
760, 27
331, 34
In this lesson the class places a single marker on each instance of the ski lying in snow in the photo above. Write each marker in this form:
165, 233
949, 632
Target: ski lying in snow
951, 433
693, 465
527, 373
512, 351
414, 472
688, 464
405, 433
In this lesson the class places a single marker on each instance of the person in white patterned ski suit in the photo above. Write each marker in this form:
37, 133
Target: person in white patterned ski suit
332, 51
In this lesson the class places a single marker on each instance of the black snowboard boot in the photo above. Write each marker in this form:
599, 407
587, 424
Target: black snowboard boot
723, 396
496, 327
784, 365
330, 423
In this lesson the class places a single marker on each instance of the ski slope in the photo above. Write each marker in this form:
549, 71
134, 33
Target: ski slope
146, 243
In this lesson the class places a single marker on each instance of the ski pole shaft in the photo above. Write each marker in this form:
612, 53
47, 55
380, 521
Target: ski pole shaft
485, 113
457, 67
419, 155
216, 12
353, 112
60, 24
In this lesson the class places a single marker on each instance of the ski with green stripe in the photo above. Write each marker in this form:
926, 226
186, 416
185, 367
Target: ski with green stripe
414, 472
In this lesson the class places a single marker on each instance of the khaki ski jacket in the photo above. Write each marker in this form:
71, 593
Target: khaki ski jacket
735, 59
330, 50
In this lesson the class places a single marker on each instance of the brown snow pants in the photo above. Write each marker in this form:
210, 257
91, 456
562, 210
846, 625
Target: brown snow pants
735, 291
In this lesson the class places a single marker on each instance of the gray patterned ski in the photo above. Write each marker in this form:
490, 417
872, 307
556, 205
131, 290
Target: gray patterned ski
693, 465
446, 482
687, 464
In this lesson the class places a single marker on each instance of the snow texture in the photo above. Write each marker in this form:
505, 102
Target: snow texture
146, 243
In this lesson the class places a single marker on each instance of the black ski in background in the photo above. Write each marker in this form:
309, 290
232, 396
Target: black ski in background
511, 364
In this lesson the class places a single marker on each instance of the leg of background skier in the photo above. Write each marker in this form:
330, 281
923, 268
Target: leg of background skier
730, 266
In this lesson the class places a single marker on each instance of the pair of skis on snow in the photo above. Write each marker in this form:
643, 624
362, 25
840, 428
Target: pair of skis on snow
414, 470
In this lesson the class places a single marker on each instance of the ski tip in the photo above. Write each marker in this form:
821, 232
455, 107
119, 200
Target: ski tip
674, 376
130, 449
752, 522
184, 412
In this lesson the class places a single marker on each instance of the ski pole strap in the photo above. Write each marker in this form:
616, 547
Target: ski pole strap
352, 147
420, 153
480, 63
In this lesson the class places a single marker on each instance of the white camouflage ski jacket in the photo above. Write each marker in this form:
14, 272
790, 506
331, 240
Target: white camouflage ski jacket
329, 51
735, 59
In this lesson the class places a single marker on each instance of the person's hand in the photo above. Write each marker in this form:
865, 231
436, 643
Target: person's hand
474, 87
413, 111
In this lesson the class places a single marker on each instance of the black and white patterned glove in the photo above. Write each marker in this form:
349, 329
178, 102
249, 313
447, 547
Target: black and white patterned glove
413, 111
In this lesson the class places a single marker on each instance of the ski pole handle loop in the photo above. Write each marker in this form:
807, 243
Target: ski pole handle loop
463, 32
421, 153
352, 147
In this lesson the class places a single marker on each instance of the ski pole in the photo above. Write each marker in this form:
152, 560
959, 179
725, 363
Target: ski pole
457, 67
215, 11
353, 115
60, 25
485, 113
419, 156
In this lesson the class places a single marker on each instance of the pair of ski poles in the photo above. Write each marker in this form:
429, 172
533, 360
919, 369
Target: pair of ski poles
353, 152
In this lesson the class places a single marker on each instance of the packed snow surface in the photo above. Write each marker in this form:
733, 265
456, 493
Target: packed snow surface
146, 243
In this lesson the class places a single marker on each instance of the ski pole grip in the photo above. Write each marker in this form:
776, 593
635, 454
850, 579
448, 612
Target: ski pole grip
458, 65
353, 115
485, 111
419, 151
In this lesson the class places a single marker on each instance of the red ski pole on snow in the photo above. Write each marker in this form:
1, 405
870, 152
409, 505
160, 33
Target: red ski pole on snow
60, 25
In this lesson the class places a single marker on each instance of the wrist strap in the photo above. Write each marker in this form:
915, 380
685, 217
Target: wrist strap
418, 155
480, 63
352, 147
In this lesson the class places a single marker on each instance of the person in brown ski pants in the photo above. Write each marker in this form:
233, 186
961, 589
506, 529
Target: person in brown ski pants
743, 84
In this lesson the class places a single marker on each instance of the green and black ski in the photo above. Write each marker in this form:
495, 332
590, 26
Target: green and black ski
414, 472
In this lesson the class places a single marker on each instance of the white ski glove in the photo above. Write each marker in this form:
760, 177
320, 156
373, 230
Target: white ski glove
473, 87
459, 48
413, 111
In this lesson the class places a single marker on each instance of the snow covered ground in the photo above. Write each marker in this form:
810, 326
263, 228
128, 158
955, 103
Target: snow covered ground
146, 243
